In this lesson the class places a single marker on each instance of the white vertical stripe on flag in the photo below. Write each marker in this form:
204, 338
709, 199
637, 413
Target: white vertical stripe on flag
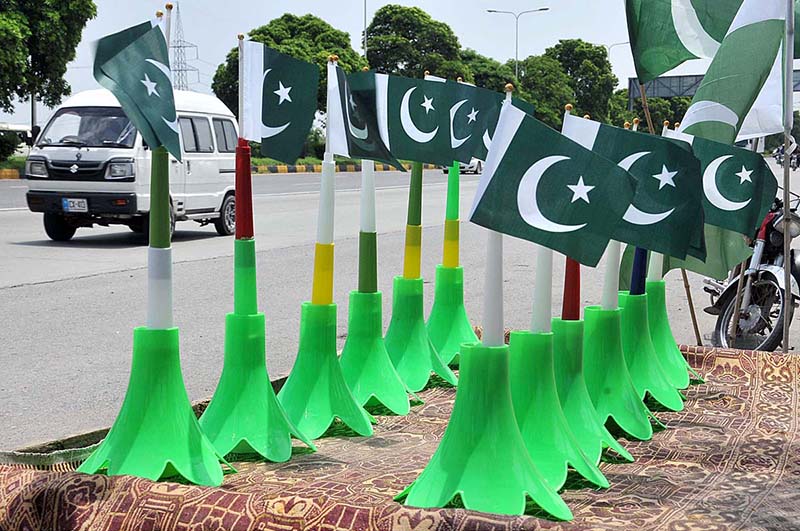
253, 87
580, 130
382, 107
335, 118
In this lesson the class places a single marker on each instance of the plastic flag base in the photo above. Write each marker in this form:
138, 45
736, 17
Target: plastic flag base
640, 354
482, 457
244, 415
156, 434
315, 393
675, 366
587, 426
366, 366
540, 418
448, 324
407, 340
607, 378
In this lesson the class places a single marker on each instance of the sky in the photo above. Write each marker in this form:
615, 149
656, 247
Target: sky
213, 25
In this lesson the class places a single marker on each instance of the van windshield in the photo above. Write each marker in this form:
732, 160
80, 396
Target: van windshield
89, 127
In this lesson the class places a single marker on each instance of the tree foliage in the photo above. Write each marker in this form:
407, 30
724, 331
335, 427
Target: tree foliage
547, 87
37, 40
661, 110
590, 75
488, 73
406, 41
8, 145
306, 37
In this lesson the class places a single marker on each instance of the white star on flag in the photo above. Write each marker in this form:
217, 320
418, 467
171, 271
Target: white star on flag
744, 175
580, 190
283, 93
150, 86
428, 104
473, 115
665, 178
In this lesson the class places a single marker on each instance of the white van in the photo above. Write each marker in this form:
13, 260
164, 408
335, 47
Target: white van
90, 166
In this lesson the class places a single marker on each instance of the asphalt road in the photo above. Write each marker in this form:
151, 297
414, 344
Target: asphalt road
68, 310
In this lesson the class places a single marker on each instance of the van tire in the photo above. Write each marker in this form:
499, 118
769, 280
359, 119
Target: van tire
226, 222
58, 228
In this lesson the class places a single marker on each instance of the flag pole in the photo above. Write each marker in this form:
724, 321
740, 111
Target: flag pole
789, 146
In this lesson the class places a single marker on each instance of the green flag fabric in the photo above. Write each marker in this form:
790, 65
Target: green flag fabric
134, 65
541, 186
280, 101
738, 72
666, 214
473, 112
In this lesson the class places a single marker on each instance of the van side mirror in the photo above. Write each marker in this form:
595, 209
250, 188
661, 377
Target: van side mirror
31, 140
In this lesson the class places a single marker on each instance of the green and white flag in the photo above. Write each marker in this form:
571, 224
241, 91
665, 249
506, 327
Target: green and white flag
473, 112
666, 214
280, 101
541, 186
738, 73
134, 65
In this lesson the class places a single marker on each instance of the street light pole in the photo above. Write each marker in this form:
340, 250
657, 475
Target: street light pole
516, 31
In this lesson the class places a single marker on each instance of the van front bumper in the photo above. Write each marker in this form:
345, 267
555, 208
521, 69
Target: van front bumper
99, 204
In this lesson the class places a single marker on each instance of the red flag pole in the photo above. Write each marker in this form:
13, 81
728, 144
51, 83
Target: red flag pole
244, 192
571, 308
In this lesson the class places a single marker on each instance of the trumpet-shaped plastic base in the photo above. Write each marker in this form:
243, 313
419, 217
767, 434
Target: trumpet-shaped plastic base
448, 324
675, 366
482, 456
640, 354
156, 434
587, 426
244, 415
316, 393
365, 363
541, 420
607, 378
407, 340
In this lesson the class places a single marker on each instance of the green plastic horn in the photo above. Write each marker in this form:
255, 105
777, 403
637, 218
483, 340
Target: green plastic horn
316, 393
448, 324
640, 354
541, 420
586, 424
366, 365
675, 366
156, 434
482, 457
607, 378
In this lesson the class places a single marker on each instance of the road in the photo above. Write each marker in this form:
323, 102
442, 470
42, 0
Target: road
68, 309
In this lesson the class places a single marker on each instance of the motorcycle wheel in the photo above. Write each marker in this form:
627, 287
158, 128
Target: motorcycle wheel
760, 325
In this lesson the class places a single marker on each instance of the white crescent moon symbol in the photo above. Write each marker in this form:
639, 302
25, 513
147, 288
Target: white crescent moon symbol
633, 215
266, 130
456, 142
712, 192
360, 134
487, 140
408, 124
528, 204
166, 71
691, 32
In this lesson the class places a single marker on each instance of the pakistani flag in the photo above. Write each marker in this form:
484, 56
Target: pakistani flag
666, 214
134, 65
738, 73
280, 101
352, 119
471, 114
666, 33
541, 186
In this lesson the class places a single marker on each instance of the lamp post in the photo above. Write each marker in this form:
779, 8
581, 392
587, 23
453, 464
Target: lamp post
516, 31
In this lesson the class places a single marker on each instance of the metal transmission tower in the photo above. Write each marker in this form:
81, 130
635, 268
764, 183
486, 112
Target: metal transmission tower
181, 70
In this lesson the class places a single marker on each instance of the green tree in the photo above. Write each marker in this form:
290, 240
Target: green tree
661, 109
306, 37
406, 41
8, 145
37, 40
489, 73
547, 87
590, 75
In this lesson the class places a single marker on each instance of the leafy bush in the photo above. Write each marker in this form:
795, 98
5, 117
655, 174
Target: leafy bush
8, 145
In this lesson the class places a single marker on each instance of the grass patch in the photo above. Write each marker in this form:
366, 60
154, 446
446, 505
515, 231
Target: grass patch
13, 163
265, 161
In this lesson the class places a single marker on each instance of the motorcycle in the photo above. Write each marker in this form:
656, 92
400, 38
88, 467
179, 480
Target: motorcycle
759, 323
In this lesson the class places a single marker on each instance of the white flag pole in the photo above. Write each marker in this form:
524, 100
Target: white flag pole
789, 146
168, 25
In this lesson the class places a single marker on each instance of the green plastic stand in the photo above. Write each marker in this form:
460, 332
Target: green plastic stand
541, 420
607, 378
448, 324
316, 393
640, 354
482, 457
587, 426
407, 340
366, 366
675, 366
156, 434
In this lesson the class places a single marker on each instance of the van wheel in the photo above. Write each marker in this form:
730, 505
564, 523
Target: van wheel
58, 228
226, 222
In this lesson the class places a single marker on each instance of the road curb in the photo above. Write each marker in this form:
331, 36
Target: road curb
9, 174
317, 168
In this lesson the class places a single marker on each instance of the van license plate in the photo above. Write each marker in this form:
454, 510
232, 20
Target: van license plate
75, 205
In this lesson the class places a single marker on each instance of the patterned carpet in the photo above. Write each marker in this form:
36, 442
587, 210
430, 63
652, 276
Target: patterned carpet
731, 460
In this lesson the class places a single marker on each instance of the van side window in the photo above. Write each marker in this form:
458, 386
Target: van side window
187, 134
202, 131
226, 135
